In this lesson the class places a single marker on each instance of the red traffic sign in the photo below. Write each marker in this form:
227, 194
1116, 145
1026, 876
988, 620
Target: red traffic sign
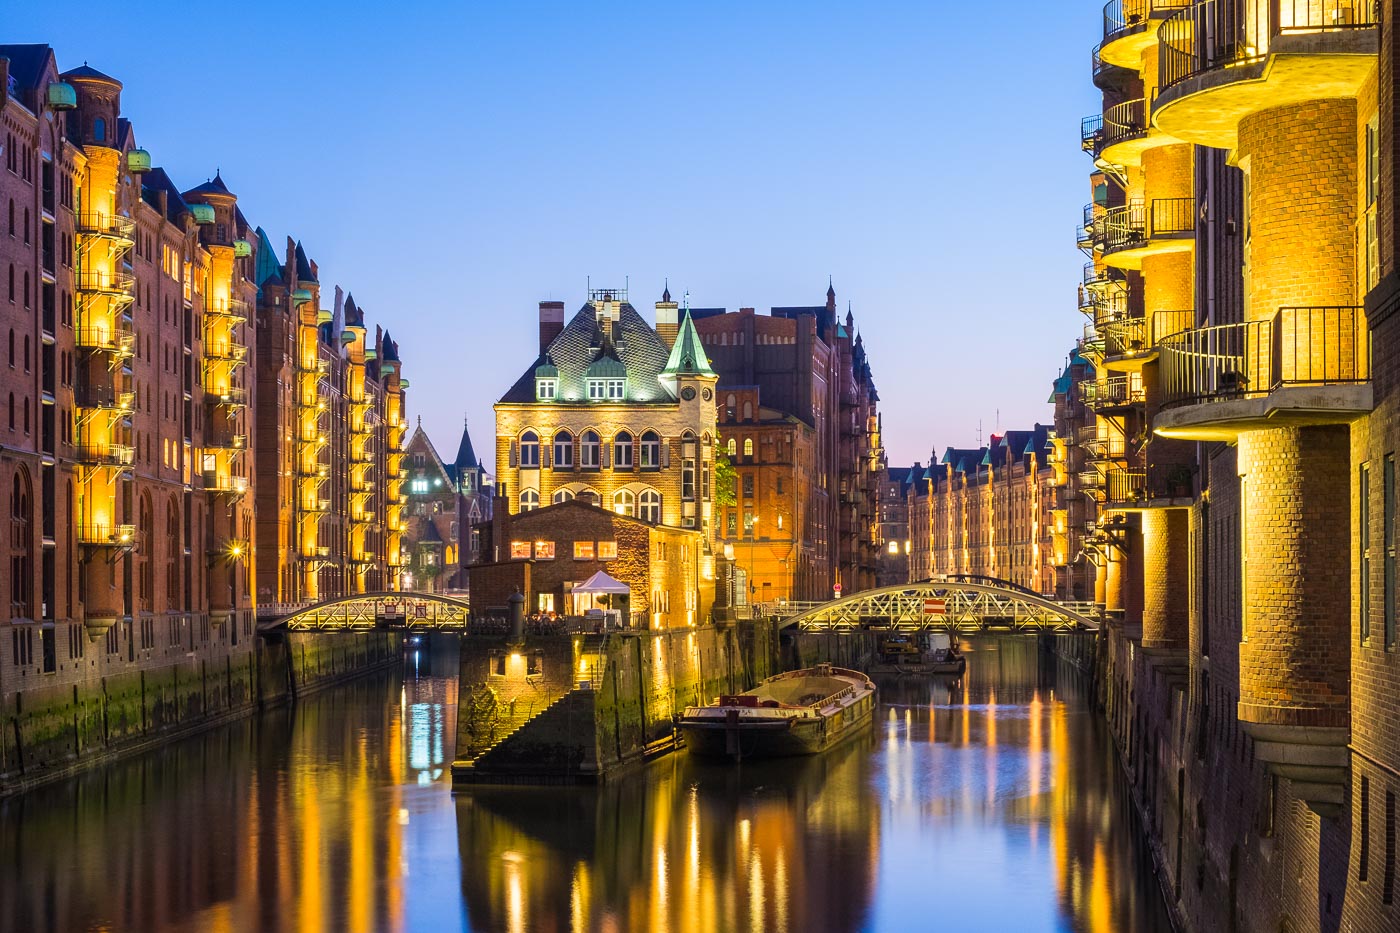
836, 591
935, 607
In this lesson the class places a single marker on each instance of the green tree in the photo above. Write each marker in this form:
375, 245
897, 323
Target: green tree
726, 480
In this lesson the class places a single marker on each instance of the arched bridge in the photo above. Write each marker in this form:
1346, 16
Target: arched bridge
965, 605
369, 611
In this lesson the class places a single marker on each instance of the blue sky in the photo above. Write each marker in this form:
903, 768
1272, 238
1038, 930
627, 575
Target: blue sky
453, 164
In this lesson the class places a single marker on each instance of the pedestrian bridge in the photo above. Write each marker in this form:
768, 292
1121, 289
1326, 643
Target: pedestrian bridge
366, 611
964, 605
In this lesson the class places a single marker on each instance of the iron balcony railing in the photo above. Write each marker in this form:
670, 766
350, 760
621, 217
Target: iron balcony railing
1297, 346
1091, 134
1112, 392
1129, 335
1139, 221
1212, 34
106, 535
106, 225
106, 283
1125, 121
1125, 17
232, 309
1126, 487
104, 454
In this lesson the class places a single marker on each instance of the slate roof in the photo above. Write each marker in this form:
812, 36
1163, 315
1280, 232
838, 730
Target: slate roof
85, 71
638, 347
688, 356
26, 63
156, 181
354, 317
466, 456
305, 275
214, 185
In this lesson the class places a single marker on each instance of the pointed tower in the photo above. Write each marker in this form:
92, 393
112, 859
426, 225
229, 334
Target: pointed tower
667, 315
690, 378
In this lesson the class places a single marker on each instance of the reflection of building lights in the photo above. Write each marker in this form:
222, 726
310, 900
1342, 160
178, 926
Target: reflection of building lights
515, 657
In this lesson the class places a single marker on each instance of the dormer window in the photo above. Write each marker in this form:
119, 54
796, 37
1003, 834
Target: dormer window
606, 390
546, 389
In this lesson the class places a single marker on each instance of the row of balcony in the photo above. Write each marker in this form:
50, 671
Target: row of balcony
116, 340
1143, 226
1126, 489
1112, 393
233, 310
1119, 124
1124, 18
1213, 34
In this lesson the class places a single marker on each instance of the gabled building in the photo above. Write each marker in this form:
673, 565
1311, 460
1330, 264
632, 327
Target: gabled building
445, 501
619, 414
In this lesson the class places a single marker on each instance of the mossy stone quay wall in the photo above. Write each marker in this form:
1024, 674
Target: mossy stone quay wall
50, 730
620, 718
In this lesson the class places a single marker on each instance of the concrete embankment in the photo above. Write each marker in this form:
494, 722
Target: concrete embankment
582, 709
58, 725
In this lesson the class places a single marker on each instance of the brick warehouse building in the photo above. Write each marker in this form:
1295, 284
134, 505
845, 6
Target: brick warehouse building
1238, 364
445, 503
619, 415
129, 426
799, 420
985, 511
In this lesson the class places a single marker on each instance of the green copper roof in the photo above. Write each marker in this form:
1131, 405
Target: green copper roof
688, 355
267, 265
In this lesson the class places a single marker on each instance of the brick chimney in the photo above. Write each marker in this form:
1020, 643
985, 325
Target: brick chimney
551, 322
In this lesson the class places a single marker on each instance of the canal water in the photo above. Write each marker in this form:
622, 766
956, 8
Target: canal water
986, 803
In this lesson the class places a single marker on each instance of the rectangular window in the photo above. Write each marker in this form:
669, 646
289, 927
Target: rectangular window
1363, 859
595, 390
1388, 893
688, 480
1388, 520
519, 550
748, 524
546, 602
545, 389
607, 550
583, 550
748, 485
732, 523
1363, 522
614, 389
544, 550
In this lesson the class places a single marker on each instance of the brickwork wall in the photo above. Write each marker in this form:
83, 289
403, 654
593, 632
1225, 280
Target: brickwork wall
1166, 578
1294, 659
1302, 220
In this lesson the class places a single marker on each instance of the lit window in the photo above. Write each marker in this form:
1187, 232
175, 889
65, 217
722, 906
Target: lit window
529, 500
625, 502
545, 389
544, 550
651, 451
732, 448
622, 451
563, 450
529, 449
748, 447
519, 550
607, 550
894, 547
583, 550
649, 506
590, 450
420, 485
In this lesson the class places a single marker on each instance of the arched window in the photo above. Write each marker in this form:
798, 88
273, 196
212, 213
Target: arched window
529, 500
748, 411
625, 502
26, 353
145, 540
562, 495
563, 451
622, 451
651, 451
650, 507
172, 566
99, 129
590, 451
732, 448
748, 447
529, 449
12, 411
21, 548
26, 414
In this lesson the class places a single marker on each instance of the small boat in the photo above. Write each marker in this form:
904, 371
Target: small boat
799, 713
909, 653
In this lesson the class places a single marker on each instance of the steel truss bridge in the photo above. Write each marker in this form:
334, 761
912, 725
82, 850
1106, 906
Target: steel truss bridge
367, 611
962, 605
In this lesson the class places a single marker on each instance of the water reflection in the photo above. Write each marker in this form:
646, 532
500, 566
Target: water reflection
986, 803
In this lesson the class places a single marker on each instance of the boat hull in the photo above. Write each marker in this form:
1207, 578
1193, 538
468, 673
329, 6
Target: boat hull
736, 737
919, 667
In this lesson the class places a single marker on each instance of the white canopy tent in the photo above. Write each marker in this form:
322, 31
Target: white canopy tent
586, 594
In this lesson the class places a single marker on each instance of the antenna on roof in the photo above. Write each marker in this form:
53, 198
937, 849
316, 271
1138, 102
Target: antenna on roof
979, 432
687, 300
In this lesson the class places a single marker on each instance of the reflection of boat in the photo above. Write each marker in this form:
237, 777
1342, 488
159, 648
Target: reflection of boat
914, 653
799, 713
